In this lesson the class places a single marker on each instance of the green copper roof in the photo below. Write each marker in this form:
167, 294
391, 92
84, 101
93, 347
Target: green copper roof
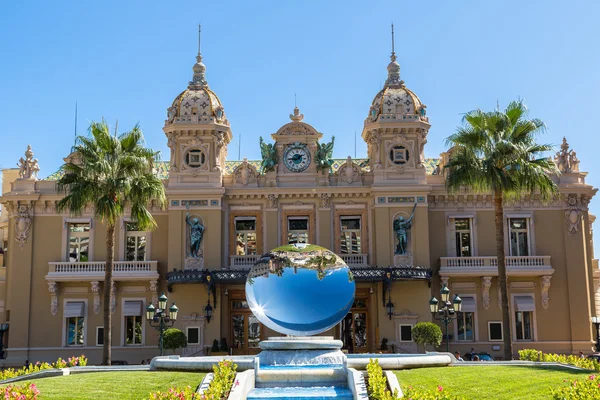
162, 167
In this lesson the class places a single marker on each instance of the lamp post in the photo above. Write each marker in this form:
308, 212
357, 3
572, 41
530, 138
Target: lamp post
159, 319
3, 328
596, 321
447, 311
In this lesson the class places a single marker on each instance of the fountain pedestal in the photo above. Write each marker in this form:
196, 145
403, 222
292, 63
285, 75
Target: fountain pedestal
301, 351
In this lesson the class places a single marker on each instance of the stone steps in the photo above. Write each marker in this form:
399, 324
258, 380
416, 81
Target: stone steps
301, 377
301, 393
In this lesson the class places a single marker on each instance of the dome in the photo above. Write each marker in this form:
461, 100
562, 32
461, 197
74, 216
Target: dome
395, 101
197, 104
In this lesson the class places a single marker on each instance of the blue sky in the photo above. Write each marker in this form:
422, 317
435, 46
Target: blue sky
127, 60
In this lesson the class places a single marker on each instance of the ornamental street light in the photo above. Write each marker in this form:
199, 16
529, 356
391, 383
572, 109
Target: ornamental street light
447, 311
159, 319
596, 321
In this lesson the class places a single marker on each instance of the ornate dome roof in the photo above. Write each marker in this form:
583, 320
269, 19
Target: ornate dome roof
395, 101
197, 104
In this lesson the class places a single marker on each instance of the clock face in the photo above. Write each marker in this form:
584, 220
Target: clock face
296, 158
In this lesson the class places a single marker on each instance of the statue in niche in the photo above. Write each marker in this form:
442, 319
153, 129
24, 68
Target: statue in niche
401, 229
324, 155
195, 234
269, 156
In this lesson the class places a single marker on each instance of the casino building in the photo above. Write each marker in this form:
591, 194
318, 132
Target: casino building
51, 280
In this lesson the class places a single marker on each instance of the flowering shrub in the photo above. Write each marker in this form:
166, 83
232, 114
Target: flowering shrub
439, 394
535, 355
219, 388
377, 384
586, 389
176, 394
27, 391
40, 366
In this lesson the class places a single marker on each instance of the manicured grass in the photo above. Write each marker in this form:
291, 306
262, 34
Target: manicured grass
491, 382
134, 385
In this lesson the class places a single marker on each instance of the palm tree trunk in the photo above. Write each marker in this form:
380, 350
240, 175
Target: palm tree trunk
500, 251
108, 289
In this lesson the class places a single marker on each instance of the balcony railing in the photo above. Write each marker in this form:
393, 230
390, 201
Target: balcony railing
515, 265
94, 270
355, 260
242, 262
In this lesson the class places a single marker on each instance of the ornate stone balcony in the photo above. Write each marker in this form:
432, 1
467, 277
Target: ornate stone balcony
94, 271
242, 262
355, 260
488, 266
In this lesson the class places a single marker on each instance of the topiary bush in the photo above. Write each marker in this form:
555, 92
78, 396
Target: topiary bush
224, 347
215, 346
174, 339
425, 333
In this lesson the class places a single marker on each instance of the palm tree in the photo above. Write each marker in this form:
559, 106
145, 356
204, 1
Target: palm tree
497, 152
111, 172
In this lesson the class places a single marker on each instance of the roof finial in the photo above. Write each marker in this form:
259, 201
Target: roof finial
199, 68
393, 67
295, 104
296, 116
199, 34
393, 52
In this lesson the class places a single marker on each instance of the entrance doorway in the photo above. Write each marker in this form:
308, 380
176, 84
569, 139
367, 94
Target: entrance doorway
246, 330
354, 329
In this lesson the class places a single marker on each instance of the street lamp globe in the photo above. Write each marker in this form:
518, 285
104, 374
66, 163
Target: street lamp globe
445, 294
150, 310
162, 301
433, 305
173, 312
457, 303
595, 319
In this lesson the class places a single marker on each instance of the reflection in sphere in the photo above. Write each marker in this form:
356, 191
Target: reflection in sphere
300, 289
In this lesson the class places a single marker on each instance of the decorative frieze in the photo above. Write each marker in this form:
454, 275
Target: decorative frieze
486, 284
545, 288
52, 288
325, 201
96, 292
153, 289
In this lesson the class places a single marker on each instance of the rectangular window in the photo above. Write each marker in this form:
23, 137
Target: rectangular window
297, 230
132, 311
135, 243
74, 314
465, 326
193, 335
523, 325
99, 336
462, 235
524, 307
465, 320
79, 242
245, 236
406, 333
350, 242
519, 236
495, 331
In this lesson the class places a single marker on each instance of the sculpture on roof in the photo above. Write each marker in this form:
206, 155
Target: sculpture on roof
566, 160
28, 166
324, 155
268, 152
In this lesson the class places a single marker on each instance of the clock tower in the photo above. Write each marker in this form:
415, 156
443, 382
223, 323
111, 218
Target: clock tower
297, 144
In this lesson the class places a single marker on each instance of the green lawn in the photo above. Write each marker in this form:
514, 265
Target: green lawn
491, 382
134, 385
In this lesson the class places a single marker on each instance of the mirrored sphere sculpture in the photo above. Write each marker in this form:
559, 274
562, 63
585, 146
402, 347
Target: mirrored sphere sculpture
300, 289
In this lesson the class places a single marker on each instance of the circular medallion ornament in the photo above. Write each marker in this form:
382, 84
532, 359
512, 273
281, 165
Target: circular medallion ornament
296, 158
300, 289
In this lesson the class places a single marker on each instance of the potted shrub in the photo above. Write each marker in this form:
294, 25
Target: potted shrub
174, 339
384, 345
425, 333
215, 350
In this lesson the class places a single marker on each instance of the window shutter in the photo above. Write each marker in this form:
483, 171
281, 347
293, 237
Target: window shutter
132, 309
468, 304
74, 309
524, 303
